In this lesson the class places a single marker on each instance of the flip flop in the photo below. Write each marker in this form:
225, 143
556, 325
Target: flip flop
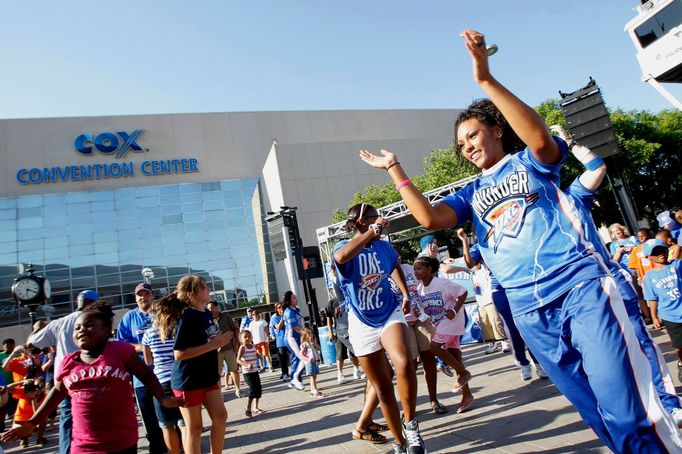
369, 435
467, 379
376, 427
465, 406
248, 413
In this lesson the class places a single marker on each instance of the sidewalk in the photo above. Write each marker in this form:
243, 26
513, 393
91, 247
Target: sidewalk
509, 415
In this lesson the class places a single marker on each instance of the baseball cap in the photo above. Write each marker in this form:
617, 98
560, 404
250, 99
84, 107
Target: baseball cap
88, 295
426, 240
144, 286
649, 246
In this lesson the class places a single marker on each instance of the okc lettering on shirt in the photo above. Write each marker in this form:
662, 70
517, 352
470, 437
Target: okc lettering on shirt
369, 293
95, 372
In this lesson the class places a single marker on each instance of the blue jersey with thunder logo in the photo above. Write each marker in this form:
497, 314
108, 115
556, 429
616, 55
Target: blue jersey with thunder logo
365, 281
529, 233
583, 198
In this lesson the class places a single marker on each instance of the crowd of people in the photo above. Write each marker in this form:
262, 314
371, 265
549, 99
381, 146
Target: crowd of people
547, 288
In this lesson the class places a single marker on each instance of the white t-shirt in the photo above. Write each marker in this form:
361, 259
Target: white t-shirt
259, 331
482, 287
436, 298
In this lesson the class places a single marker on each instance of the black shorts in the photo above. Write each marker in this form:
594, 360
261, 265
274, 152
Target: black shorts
675, 333
344, 349
255, 388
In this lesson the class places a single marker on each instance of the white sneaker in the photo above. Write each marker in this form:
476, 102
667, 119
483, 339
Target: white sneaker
493, 347
540, 371
505, 346
526, 372
341, 379
358, 374
414, 443
297, 384
677, 416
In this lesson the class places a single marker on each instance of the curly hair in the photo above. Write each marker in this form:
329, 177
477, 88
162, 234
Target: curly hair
168, 310
102, 311
487, 113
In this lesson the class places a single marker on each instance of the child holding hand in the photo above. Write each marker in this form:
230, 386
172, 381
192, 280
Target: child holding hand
248, 357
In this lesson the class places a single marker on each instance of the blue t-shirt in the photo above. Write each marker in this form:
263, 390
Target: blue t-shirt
525, 229
583, 199
131, 329
625, 256
665, 285
292, 319
280, 334
365, 281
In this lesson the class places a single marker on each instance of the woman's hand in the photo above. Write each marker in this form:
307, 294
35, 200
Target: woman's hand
462, 235
561, 132
379, 162
475, 44
221, 339
172, 402
23, 430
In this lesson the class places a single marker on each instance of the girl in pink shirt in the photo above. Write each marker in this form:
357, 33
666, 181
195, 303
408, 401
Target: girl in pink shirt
97, 378
442, 300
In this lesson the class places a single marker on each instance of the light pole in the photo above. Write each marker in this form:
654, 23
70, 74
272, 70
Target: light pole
148, 275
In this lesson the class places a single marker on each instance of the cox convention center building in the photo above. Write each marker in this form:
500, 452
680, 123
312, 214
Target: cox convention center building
92, 201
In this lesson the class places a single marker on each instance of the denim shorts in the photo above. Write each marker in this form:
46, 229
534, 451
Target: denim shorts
312, 369
168, 417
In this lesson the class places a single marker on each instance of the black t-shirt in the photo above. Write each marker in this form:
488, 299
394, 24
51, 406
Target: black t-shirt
339, 311
195, 328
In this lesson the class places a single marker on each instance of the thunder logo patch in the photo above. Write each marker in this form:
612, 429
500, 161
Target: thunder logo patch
371, 281
506, 217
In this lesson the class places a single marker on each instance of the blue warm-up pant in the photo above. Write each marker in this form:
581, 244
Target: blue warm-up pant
585, 342
518, 345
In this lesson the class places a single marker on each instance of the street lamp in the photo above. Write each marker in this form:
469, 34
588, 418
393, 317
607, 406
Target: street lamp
148, 275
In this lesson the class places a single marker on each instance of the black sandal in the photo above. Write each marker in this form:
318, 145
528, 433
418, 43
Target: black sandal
369, 435
376, 427
438, 408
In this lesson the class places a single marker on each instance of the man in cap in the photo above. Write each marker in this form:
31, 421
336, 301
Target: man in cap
60, 333
246, 320
663, 292
131, 329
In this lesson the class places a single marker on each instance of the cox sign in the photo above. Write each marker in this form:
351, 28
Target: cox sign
109, 143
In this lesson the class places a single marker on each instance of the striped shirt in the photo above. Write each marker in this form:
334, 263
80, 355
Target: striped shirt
162, 352
251, 357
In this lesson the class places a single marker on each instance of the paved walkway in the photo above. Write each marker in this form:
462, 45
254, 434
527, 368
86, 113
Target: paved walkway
510, 416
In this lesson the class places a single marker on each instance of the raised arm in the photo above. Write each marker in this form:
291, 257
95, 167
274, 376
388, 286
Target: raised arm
468, 259
432, 217
595, 169
523, 119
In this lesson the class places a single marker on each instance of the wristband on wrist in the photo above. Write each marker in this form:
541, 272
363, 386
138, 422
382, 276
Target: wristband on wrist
594, 164
394, 164
402, 184
377, 228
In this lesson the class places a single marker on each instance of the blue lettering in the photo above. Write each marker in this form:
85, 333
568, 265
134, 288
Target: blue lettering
34, 176
83, 144
21, 176
86, 173
193, 165
128, 169
145, 167
50, 175
155, 167
185, 165
115, 170
165, 167
74, 173
107, 142
63, 172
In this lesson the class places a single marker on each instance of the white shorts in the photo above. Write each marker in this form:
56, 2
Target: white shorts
366, 339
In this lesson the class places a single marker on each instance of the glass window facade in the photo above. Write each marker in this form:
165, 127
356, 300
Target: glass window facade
102, 240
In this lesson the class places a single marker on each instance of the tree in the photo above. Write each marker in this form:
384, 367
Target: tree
649, 161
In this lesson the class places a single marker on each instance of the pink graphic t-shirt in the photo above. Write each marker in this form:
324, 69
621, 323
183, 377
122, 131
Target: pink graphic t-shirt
436, 298
101, 400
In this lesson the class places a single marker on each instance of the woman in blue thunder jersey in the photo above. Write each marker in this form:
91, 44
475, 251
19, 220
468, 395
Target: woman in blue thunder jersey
376, 322
531, 237
581, 192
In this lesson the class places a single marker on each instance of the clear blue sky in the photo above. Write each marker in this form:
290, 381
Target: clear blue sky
83, 58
